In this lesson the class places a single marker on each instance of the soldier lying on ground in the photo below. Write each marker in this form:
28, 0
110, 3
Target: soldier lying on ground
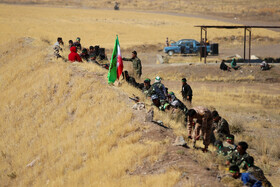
256, 172
246, 178
221, 150
147, 86
155, 100
158, 89
230, 144
203, 125
239, 156
130, 80
177, 104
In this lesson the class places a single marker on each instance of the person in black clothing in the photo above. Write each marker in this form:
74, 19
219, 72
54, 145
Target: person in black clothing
84, 55
77, 44
129, 79
92, 50
186, 91
224, 67
70, 43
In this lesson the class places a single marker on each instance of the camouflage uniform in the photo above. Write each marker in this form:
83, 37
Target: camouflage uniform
258, 174
145, 89
221, 129
236, 159
203, 125
230, 148
137, 66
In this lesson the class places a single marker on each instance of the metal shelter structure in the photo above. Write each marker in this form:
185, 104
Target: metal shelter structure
245, 27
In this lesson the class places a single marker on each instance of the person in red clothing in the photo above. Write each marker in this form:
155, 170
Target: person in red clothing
74, 56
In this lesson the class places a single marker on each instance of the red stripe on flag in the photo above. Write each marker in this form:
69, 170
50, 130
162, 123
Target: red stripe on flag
119, 66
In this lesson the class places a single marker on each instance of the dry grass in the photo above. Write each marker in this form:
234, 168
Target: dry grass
64, 117
268, 10
101, 26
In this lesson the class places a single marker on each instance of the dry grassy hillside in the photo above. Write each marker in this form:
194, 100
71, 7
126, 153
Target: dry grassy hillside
62, 125
242, 9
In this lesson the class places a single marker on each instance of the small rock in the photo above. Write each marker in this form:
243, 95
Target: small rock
139, 106
180, 141
150, 115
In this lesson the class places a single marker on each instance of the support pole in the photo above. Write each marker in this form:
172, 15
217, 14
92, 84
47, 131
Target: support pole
205, 45
200, 43
245, 44
250, 45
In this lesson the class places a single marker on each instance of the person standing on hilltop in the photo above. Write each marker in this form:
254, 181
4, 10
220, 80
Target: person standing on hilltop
203, 125
57, 47
186, 91
136, 62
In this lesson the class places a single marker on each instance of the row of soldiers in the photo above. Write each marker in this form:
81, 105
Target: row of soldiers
237, 158
206, 125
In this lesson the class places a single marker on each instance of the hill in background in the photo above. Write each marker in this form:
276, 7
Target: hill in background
238, 9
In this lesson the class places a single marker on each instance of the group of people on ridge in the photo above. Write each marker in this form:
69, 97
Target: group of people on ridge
206, 125
79, 54
201, 123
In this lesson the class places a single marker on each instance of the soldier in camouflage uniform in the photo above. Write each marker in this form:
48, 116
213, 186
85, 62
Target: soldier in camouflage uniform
239, 156
220, 127
203, 125
136, 62
229, 144
221, 150
176, 103
57, 47
256, 172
